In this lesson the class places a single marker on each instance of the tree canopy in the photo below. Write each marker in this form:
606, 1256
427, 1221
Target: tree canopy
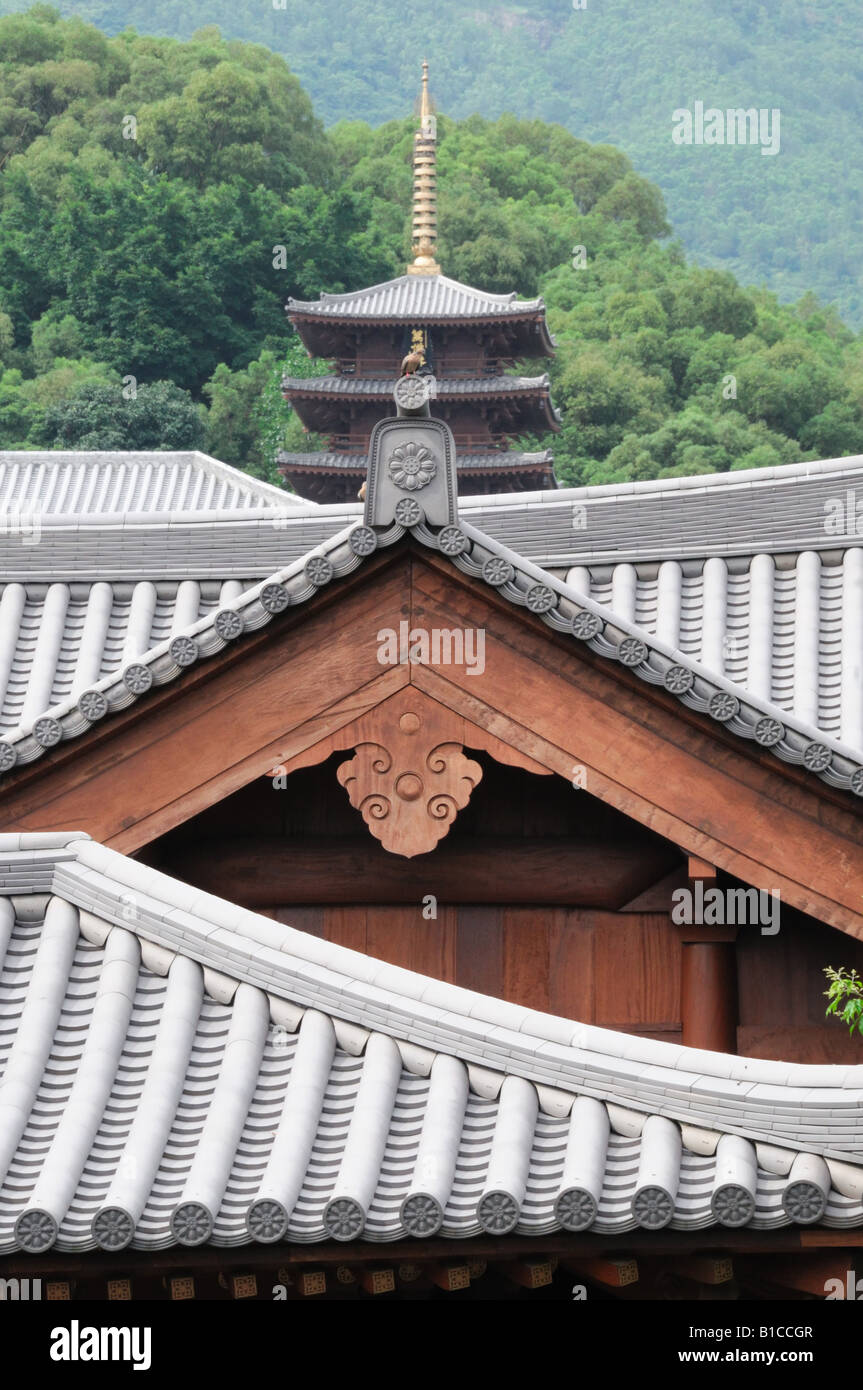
159, 201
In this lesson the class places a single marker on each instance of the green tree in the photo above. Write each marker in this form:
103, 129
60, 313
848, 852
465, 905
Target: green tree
157, 416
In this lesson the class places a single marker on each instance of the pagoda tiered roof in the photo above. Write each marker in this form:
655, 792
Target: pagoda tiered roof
410, 298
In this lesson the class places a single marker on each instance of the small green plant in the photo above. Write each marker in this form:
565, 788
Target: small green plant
845, 992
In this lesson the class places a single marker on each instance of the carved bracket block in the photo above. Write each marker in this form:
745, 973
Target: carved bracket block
409, 790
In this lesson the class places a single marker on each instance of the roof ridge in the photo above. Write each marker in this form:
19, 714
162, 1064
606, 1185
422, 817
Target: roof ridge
610, 635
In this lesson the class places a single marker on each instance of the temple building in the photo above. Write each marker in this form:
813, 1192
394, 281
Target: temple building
468, 340
343, 953
428, 897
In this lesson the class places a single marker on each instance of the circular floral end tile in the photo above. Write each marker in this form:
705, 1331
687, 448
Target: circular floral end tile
267, 1221
344, 1219
274, 598
497, 1213
575, 1209
421, 1214
362, 540
113, 1228
191, 1223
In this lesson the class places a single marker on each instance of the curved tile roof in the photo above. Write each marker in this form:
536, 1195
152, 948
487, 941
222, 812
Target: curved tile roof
60, 482
746, 713
416, 297
499, 461
382, 387
175, 1070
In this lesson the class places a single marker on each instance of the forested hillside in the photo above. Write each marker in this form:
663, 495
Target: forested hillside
160, 200
608, 70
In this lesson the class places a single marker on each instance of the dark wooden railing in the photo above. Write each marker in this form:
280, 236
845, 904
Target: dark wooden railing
465, 443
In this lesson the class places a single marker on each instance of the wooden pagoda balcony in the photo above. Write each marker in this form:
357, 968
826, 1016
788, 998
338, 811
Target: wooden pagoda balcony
451, 366
464, 443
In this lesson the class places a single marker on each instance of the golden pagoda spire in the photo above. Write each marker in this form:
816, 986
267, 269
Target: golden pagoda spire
424, 216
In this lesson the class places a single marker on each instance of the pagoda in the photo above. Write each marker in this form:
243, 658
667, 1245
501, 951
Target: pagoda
467, 340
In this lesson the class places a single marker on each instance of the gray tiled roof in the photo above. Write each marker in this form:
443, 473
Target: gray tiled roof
416, 297
72, 483
176, 1070
789, 735
501, 459
382, 387
769, 510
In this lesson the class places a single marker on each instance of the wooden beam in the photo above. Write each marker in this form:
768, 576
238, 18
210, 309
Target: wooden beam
707, 1269
378, 1281
613, 1273
528, 1274
260, 873
699, 871
450, 1276
817, 1275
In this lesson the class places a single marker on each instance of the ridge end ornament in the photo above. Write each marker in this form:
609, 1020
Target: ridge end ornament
411, 453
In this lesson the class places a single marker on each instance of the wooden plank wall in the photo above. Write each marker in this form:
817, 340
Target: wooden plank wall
616, 970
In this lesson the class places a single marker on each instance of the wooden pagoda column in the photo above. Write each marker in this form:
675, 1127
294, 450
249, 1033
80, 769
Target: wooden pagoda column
708, 992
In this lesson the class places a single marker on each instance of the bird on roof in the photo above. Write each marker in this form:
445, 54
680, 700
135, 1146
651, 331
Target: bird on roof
411, 363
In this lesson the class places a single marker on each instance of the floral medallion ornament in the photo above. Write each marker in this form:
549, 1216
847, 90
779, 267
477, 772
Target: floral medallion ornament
228, 624
732, 1205
319, 571
191, 1223
267, 1221
184, 650
412, 392
497, 1213
678, 680
48, 731
497, 571
804, 1202
421, 1214
362, 540
93, 705
408, 512
856, 777
632, 651
652, 1208
816, 757
137, 678
275, 598
35, 1230
344, 1219
7, 756
575, 1209
723, 706
411, 466
586, 626
769, 732
540, 598
113, 1228
452, 540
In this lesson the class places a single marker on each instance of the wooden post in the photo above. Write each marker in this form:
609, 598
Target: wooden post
708, 986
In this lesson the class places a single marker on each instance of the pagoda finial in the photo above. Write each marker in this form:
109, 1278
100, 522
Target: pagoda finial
424, 216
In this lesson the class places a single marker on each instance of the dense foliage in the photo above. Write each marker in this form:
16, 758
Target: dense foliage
608, 70
160, 200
